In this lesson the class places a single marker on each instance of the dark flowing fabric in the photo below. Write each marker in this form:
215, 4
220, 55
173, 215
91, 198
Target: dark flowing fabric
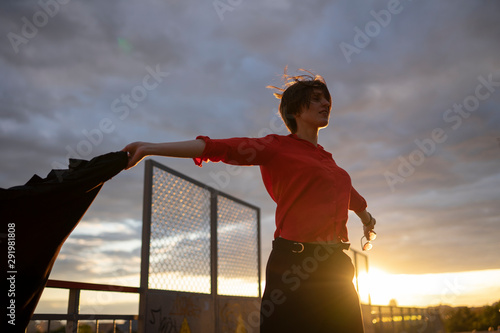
310, 292
44, 212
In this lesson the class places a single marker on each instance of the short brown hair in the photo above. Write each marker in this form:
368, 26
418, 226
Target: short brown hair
296, 93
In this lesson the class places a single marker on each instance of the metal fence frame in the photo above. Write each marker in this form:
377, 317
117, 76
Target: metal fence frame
396, 319
146, 235
73, 315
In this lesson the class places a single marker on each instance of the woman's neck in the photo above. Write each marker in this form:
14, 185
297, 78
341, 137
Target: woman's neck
310, 135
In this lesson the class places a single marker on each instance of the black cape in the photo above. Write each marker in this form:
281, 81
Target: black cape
36, 219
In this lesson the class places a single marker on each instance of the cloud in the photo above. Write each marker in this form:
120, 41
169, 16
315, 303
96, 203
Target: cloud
99, 250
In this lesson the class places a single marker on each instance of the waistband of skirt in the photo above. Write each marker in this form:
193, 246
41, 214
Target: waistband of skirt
299, 247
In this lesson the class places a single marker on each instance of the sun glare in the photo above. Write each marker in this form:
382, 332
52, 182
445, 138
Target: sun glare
384, 287
473, 288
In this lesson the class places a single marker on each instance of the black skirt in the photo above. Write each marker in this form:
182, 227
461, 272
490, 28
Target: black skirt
309, 289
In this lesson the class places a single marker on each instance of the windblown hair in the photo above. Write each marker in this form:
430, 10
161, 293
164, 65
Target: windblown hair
296, 93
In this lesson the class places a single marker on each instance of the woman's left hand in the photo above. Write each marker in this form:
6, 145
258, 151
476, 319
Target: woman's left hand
369, 226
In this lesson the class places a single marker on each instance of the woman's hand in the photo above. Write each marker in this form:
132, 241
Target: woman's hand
368, 223
136, 152
368, 227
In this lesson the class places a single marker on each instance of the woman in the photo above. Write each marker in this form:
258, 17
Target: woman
308, 276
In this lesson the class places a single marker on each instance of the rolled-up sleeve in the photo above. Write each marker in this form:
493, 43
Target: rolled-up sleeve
356, 202
236, 151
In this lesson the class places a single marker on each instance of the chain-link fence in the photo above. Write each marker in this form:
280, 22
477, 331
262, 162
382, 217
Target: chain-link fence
179, 246
199, 238
237, 249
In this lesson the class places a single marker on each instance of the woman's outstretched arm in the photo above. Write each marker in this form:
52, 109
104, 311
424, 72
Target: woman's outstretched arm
138, 150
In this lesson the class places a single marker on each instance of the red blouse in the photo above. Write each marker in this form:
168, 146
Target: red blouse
311, 191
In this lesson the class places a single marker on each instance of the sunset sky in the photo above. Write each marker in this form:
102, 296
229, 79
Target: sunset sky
415, 119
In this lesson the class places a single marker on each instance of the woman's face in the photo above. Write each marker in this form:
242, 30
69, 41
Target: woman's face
317, 114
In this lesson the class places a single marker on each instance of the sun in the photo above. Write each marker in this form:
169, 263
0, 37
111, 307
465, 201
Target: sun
381, 288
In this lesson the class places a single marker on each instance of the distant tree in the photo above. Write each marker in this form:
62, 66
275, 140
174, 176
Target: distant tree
489, 317
85, 329
465, 319
461, 320
393, 302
